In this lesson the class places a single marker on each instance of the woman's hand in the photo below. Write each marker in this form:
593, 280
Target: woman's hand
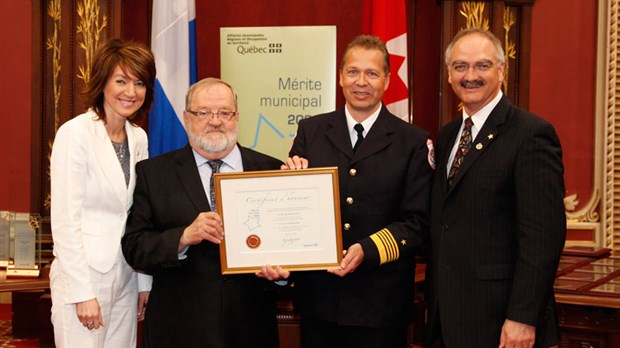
89, 314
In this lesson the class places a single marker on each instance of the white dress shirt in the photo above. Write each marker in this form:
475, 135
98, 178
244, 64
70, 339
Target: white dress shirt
478, 119
367, 124
231, 163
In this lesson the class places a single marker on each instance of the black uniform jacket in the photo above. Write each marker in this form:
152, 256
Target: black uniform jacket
384, 202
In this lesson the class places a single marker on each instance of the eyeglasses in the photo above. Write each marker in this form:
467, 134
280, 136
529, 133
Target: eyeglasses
479, 66
222, 114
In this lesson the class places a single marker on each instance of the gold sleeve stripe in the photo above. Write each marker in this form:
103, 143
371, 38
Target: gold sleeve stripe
387, 246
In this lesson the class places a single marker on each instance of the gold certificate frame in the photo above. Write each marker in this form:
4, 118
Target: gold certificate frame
288, 218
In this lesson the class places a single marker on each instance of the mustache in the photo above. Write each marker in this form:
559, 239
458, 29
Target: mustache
219, 128
469, 84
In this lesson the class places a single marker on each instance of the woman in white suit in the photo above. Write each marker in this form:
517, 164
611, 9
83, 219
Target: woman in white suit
97, 299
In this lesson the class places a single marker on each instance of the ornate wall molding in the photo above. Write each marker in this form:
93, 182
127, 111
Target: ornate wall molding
608, 25
475, 16
473, 11
54, 44
90, 26
601, 214
510, 46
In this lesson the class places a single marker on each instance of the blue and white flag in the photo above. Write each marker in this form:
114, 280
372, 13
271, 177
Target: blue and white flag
173, 41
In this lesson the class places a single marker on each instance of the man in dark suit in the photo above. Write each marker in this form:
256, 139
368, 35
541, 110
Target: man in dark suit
173, 234
385, 171
498, 221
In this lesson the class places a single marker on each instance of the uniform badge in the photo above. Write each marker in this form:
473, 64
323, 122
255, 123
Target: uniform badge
479, 146
431, 153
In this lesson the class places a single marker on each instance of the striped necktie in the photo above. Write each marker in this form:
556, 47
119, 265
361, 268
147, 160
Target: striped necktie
461, 151
215, 168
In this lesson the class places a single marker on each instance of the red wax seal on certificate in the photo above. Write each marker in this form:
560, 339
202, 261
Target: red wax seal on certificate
253, 241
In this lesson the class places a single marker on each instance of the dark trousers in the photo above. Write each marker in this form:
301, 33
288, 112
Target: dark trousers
322, 334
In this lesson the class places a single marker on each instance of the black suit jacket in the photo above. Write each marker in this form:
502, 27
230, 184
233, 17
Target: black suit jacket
191, 304
384, 203
497, 233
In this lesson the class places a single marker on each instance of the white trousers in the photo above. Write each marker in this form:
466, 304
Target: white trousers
117, 294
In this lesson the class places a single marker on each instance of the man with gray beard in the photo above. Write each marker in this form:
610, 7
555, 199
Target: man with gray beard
174, 234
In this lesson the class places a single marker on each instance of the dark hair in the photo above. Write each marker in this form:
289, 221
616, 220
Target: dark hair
133, 58
369, 42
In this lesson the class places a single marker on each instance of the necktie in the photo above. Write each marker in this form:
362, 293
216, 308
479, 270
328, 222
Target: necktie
215, 168
360, 135
461, 151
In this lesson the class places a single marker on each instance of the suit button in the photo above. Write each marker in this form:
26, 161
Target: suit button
347, 226
349, 200
352, 172
444, 227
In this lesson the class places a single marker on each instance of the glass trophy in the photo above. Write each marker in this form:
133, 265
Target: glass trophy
25, 251
6, 218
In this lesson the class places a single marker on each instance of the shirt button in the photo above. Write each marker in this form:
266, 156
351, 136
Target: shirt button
349, 200
352, 172
347, 226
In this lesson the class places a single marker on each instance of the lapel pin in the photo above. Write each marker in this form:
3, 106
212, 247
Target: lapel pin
403, 242
490, 136
479, 146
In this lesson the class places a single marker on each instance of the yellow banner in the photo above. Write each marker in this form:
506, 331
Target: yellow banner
282, 75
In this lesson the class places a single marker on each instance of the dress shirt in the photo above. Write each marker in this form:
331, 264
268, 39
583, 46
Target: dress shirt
231, 163
478, 119
367, 123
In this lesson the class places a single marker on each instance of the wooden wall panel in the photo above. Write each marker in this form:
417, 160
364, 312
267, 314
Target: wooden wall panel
510, 21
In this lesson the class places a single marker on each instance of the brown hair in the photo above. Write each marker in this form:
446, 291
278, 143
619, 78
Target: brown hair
131, 57
369, 42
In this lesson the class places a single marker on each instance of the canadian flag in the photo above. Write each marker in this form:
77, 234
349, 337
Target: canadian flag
387, 19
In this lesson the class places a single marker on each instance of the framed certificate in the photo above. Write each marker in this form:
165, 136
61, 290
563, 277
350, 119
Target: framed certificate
288, 218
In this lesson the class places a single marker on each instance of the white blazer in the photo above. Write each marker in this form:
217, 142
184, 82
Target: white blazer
90, 200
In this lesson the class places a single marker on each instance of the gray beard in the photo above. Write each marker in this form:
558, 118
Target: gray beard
217, 143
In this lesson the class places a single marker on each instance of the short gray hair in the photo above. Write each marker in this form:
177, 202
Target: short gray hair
501, 59
204, 83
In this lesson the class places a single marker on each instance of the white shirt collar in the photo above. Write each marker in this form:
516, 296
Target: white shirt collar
367, 123
232, 161
480, 117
